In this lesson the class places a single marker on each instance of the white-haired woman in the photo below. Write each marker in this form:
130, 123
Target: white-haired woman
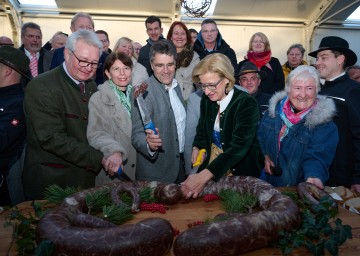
297, 134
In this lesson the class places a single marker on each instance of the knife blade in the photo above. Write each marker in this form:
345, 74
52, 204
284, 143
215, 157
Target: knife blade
145, 117
122, 175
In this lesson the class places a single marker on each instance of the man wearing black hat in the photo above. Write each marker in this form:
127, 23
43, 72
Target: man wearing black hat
332, 57
250, 79
14, 65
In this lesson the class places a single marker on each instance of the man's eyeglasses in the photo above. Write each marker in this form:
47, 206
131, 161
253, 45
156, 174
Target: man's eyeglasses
211, 87
85, 64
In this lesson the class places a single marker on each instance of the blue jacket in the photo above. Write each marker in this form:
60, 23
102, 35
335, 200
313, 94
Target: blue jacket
309, 147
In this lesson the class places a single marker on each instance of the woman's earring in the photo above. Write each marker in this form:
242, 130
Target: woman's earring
227, 89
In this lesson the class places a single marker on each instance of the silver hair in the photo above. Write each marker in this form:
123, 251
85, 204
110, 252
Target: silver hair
82, 15
303, 73
87, 36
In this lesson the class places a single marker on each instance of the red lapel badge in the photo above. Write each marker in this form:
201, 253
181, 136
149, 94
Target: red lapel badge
14, 122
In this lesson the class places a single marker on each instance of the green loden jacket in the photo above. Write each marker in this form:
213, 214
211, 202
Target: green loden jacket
57, 148
238, 133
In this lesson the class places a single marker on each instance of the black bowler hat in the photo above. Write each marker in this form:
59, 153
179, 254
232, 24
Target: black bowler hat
249, 67
15, 59
337, 44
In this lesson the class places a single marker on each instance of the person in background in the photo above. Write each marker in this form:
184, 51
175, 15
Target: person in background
154, 31
186, 58
56, 112
192, 119
109, 127
4, 40
139, 73
297, 134
58, 40
194, 35
259, 53
250, 79
31, 38
210, 41
137, 46
80, 20
227, 127
332, 58
104, 38
295, 58
160, 156
14, 67
354, 72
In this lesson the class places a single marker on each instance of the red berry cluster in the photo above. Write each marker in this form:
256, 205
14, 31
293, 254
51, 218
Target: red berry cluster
153, 207
176, 231
211, 197
195, 223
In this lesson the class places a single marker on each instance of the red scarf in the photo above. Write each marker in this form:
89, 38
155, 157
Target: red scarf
259, 58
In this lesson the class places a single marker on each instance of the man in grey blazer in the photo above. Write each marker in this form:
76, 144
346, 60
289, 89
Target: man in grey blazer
160, 156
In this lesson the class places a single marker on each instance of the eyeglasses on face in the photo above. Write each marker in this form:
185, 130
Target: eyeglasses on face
85, 64
211, 87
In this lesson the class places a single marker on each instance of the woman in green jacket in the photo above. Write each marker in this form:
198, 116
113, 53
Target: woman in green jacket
227, 127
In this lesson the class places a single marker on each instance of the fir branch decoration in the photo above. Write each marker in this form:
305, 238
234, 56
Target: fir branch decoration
146, 195
234, 202
117, 214
97, 200
55, 194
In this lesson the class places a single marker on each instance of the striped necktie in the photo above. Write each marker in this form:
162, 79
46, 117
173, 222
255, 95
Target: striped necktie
34, 65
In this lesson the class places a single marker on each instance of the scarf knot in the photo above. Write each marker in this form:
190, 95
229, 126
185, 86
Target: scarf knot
289, 117
124, 98
260, 59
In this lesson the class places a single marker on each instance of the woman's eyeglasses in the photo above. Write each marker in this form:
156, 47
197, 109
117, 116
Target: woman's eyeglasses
211, 87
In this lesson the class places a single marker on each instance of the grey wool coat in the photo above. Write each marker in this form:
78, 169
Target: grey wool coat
164, 165
109, 130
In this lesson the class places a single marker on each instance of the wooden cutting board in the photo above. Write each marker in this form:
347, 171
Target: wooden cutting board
188, 211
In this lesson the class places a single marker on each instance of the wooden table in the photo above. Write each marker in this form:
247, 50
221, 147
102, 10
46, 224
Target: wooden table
191, 210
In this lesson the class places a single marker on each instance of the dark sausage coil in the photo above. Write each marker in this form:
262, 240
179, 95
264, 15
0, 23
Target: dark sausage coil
76, 233
240, 234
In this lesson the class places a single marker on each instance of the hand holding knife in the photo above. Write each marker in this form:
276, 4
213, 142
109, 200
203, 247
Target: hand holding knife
145, 117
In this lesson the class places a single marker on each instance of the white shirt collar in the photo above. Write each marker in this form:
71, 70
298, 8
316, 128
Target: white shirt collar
225, 101
332, 79
67, 72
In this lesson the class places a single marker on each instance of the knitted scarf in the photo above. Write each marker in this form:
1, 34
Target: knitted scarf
124, 98
260, 58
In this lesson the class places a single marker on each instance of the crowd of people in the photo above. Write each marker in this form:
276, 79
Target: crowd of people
74, 112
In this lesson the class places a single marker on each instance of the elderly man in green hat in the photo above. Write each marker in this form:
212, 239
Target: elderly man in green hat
332, 58
14, 66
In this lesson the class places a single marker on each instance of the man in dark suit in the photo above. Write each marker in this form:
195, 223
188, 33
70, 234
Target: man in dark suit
31, 37
81, 20
332, 58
